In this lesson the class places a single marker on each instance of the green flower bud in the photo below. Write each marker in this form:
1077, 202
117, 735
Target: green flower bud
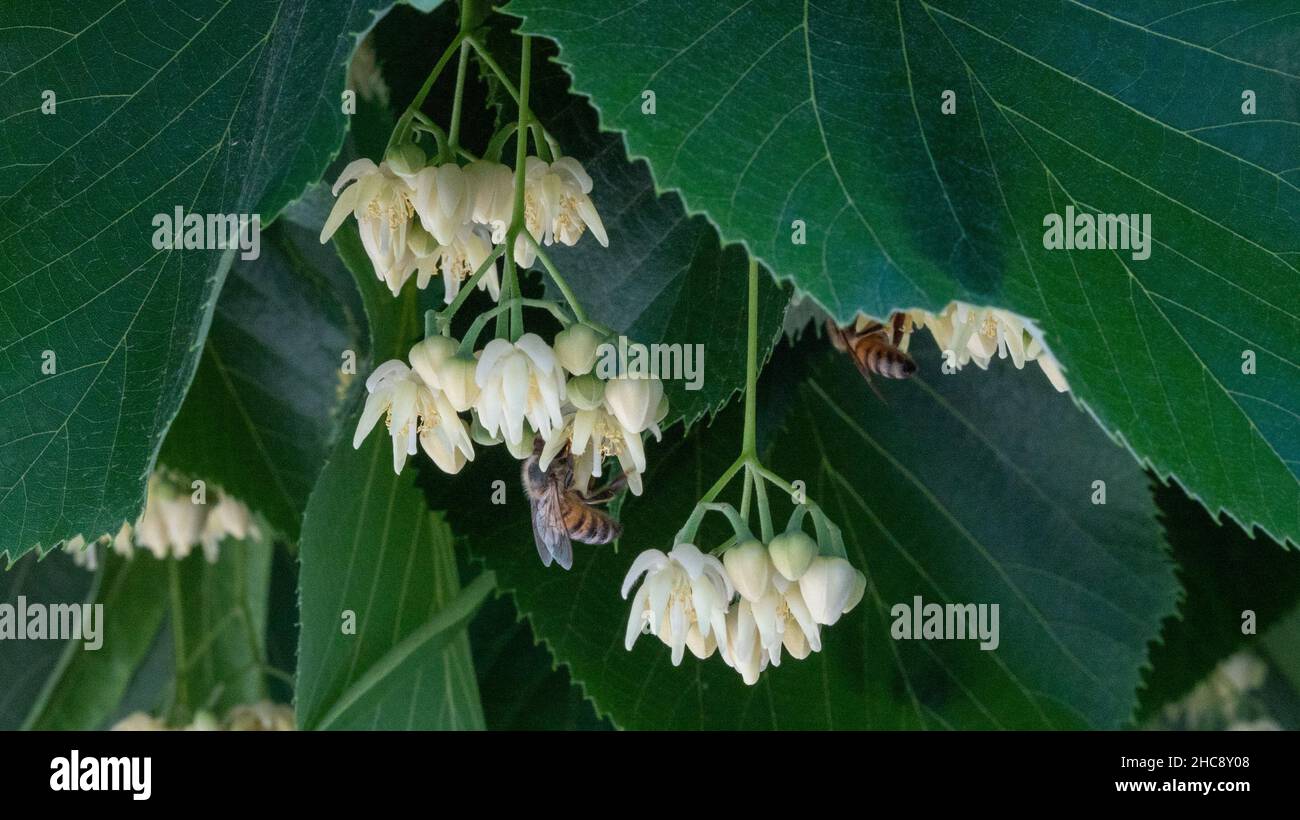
792, 552
406, 159
420, 241
575, 347
480, 435
428, 354
586, 392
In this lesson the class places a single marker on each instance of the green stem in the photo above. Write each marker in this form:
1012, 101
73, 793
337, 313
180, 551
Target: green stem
764, 510
748, 447
521, 161
509, 86
404, 123
449, 312
516, 303
178, 640
559, 280
454, 132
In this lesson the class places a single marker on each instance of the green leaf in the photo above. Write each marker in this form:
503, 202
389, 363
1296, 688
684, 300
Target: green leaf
372, 553
1225, 574
521, 686
230, 107
262, 411
665, 277
26, 666
953, 490
219, 610
830, 113
89, 684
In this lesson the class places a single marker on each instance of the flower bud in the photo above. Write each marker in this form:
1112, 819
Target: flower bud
575, 347
792, 552
634, 402
428, 354
456, 379
480, 434
827, 586
859, 589
419, 241
585, 392
749, 567
406, 159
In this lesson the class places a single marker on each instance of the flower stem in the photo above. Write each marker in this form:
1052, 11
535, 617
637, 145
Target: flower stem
449, 312
506, 306
404, 123
559, 280
454, 132
501, 76
521, 160
748, 447
764, 510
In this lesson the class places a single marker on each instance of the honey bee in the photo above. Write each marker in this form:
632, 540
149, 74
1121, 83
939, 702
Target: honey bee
874, 348
561, 512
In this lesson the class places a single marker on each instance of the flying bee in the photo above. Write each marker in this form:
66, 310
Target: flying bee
874, 348
561, 511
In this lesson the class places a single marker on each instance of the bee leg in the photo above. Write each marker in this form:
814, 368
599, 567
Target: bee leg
606, 494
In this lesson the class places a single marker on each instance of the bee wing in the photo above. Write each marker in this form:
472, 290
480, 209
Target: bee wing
549, 531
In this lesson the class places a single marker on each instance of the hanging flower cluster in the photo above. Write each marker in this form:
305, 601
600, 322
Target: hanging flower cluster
458, 216
174, 522
749, 605
428, 219
977, 334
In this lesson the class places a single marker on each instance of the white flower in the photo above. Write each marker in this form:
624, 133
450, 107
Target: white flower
683, 601
592, 436
557, 206
750, 568
519, 382
456, 261
263, 716
381, 202
976, 334
783, 619
139, 722
171, 524
228, 518
830, 588
745, 652
635, 401
493, 188
415, 413
443, 201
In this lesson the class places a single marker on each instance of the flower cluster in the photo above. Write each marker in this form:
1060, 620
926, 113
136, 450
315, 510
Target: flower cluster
425, 219
977, 334
264, 716
748, 606
173, 523
514, 393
